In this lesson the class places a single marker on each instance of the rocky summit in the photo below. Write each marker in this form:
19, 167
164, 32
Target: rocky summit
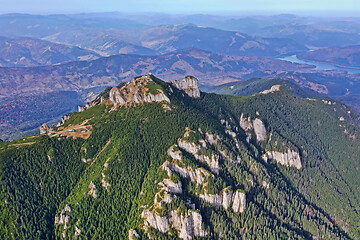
141, 89
150, 159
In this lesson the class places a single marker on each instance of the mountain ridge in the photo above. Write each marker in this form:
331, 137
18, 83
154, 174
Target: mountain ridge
143, 156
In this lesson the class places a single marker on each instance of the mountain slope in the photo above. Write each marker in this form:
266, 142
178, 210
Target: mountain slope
168, 38
161, 163
115, 69
39, 26
27, 52
256, 85
88, 78
106, 42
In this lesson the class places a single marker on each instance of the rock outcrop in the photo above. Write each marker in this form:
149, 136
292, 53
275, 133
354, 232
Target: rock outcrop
260, 130
155, 221
63, 218
239, 201
275, 88
227, 198
290, 158
93, 190
189, 224
63, 120
187, 220
198, 175
171, 187
213, 199
138, 91
87, 106
133, 235
190, 85
195, 149
44, 129
77, 231
257, 125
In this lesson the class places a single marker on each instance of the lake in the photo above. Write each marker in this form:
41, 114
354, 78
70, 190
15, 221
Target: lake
319, 66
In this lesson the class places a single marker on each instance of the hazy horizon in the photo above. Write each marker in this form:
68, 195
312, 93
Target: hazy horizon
333, 8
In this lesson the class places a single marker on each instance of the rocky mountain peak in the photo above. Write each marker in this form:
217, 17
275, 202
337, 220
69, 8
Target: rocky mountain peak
140, 89
190, 85
44, 128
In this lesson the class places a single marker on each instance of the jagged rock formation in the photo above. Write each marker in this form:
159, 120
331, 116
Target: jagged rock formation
63, 219
226, 198
190, 85
198, 175
257, 125
137, 91
188, 224
275, 88
194, 149
87, 106
133, 235
44, 129
201, 176
77, 231
63, 120
290, 158
171, 187
239, 201
260, 130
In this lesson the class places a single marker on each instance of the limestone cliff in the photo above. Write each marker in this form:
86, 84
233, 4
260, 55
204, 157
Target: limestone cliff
273, 89
290, 158
133, 235
44, 129
166, 217
257, 125
63, 120
87, 106
195, 149
139, 90
189, 224
239, 201
190, 85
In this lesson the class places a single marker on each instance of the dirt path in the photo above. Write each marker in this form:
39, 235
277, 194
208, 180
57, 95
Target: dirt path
107, 144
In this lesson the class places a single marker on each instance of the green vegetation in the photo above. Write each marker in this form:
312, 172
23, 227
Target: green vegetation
256, 85
129, 145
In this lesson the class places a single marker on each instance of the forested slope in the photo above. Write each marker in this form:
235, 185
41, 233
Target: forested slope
272, 166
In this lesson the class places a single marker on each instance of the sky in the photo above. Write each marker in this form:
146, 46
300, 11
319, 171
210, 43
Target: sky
344, 7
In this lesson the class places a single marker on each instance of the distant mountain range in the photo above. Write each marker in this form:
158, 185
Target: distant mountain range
348, 57
112, 36
86, 79
27, 52
211, 68
104, 42
310, 31
168, 38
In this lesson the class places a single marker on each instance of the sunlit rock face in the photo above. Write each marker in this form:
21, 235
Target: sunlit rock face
290, 158
190, 85
137, 91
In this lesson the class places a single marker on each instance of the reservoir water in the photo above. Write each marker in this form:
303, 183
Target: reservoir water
319, 66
